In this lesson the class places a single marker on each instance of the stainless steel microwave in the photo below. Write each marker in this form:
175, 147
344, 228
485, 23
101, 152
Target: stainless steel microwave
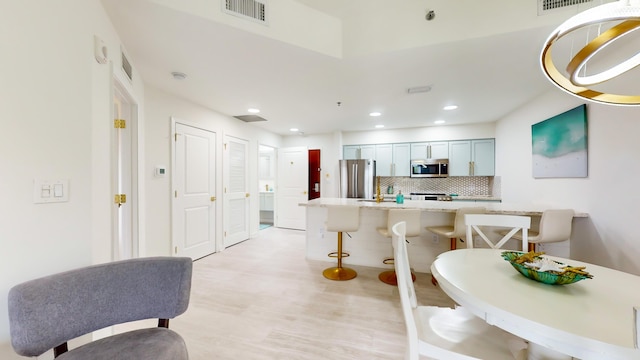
430, 168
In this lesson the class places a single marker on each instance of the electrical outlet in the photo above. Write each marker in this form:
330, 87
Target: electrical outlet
477, 242
435, 239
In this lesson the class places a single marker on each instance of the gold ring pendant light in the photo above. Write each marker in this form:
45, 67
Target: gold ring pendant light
628, 16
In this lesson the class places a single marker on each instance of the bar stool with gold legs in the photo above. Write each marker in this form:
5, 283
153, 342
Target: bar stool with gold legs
412, 218
341, 219
457, 230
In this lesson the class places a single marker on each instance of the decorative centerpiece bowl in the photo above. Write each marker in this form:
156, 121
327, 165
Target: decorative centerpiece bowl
528, 264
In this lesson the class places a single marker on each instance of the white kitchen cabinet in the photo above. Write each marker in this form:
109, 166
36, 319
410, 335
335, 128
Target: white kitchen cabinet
384, 160
472, 157
391, 159
266, 201
353, 152
430, 150
401, 159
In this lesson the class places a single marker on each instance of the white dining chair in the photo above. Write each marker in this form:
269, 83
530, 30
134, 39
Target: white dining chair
479, 222
445, 333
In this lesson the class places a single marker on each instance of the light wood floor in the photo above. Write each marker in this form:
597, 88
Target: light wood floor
261, 299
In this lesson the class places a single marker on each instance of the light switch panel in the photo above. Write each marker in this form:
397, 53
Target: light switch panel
49, 191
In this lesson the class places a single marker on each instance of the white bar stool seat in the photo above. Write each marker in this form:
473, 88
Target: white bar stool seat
412, 218
341, 219
555, 226
458, 229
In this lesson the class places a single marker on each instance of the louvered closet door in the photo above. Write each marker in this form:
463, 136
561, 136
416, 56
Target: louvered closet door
236, 191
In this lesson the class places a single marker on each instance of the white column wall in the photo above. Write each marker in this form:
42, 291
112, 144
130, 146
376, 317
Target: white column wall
55, 114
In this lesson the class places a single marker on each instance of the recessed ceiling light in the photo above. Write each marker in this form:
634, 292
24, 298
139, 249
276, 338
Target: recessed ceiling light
450, 107
380, 126
294, 129
179, 75
253, 110
439, 122
375, 113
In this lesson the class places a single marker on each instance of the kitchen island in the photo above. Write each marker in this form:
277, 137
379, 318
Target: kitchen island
368, 248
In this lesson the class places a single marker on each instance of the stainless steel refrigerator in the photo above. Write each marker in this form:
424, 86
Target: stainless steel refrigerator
358, 179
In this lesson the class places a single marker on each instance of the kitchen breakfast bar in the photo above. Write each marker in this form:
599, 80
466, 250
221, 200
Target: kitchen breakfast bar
367, 247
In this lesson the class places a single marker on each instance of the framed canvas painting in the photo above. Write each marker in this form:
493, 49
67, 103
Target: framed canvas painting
559, 145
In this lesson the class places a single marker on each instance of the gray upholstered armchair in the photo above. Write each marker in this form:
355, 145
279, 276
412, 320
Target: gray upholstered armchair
45, 313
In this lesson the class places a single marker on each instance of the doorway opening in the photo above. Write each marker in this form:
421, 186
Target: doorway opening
314, 174
267, 185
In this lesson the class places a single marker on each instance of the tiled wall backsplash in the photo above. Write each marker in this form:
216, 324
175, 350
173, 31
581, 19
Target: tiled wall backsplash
461, 185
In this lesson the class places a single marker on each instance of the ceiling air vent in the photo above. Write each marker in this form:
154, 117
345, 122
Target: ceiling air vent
126, 66
250, 118
547, 6
249, 9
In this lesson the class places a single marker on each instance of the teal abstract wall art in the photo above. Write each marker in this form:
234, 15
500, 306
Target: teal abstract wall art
559, 145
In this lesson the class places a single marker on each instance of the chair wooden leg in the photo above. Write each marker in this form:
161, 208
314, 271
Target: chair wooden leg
532, 247
454, 243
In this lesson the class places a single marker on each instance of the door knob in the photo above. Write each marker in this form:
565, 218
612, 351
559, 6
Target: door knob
213, 198
246, 195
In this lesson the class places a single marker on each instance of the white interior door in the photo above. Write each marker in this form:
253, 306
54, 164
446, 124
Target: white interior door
236, 191
194, 211
125, 242
293, 174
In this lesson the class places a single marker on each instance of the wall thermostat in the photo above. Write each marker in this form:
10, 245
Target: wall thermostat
161, 171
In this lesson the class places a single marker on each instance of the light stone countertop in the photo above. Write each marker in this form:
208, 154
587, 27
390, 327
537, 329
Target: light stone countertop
437, 206
475, 197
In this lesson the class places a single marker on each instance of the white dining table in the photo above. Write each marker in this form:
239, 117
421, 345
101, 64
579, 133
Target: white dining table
590, 319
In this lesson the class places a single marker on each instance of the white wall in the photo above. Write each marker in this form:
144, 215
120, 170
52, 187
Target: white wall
56, 118
160, 107
330, 147
430, 133
609, 194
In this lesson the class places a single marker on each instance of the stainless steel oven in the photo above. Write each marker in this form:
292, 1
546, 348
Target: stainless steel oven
430, 168
429, 196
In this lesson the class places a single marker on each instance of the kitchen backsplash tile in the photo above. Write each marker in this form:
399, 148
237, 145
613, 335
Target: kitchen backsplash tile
461, 185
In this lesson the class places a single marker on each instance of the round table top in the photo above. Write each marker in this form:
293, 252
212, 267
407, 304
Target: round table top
591, 319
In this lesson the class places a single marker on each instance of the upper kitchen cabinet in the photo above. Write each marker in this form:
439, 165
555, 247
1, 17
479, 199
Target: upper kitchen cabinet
430, 150
401, 159
353, 152
392, 159
472, 157
384, 160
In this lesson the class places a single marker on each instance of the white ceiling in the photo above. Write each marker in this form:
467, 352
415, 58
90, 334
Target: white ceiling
468, 60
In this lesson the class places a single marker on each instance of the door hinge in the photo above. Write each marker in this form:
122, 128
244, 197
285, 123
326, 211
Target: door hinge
175, 193
225, 146
175, 249
120, 199
225, 234
120, 124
